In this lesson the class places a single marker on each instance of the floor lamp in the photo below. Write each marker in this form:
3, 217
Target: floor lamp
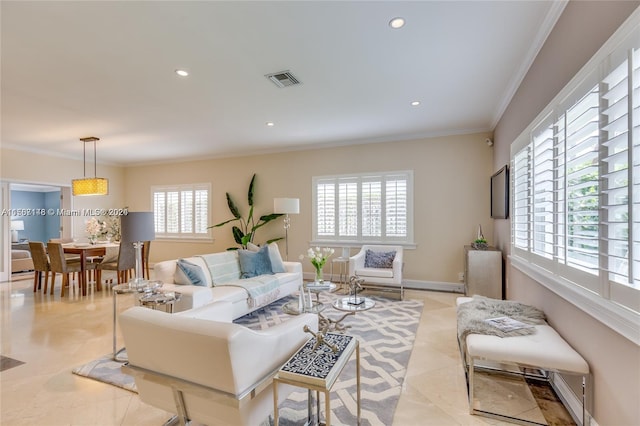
286, 206
136, 228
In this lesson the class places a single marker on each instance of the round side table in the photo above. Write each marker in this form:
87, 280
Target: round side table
153, 300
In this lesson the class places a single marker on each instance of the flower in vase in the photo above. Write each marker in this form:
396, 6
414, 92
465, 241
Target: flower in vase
95, 228
318, 258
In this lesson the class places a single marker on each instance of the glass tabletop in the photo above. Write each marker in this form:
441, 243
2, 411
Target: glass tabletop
291, 308
316, 288
354, 304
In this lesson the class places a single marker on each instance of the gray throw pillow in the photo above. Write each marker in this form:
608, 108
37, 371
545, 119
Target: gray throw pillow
379, 259
254, 263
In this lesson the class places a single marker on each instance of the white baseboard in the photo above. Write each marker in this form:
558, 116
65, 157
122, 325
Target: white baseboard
571, 401
434, 286
411, 284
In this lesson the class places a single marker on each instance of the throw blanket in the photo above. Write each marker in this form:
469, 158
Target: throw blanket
262, 289
471, 316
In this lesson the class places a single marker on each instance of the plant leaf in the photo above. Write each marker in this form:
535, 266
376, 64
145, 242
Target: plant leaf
222, 223
270, 217
237, 234
247, 238
232, 207
274, 240
250, 194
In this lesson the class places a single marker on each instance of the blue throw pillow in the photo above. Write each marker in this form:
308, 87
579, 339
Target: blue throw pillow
193, 273
379, 259
254, 263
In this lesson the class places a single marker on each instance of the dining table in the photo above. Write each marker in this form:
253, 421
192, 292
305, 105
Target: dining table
85, 251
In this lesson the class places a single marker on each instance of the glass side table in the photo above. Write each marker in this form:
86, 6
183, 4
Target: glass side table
316, 288
291, 308
160, 298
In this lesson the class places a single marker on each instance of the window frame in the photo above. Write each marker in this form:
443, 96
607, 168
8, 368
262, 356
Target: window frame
360, 179
615, 304
181, 189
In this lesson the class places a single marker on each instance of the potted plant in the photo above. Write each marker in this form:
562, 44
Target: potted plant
244, 232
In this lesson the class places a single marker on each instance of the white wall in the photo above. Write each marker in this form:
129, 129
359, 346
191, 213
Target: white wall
614, 360
451, 194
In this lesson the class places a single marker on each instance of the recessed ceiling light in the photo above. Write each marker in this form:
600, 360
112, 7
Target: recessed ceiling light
396, 23
182, 73
415, 103
270, 123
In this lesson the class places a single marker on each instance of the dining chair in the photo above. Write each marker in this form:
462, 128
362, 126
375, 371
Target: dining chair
41, 265
70, 257
123, 265
60, 265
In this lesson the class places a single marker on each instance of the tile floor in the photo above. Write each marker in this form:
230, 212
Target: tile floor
52, 336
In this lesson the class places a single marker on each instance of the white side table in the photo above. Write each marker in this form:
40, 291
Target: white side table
317, 370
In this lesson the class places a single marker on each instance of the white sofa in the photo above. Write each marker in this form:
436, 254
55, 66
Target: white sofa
204, 368
223, 282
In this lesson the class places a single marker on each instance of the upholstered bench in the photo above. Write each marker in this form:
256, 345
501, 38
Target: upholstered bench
544, 350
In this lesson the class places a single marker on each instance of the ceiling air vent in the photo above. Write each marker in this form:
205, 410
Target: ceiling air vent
283, 79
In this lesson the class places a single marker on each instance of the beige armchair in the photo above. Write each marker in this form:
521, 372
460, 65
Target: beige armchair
206, 369
384, 278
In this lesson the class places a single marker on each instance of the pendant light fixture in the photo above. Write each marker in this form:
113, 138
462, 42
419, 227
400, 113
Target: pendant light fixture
90, 185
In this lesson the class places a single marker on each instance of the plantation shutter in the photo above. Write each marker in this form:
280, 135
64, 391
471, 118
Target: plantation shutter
186, 212
160, 212
201, 208
372, 207
521, 201
396, 206
615, 172
347, 209
181, 211
326, 209
365, 207
583, 183
173, 212
544, 192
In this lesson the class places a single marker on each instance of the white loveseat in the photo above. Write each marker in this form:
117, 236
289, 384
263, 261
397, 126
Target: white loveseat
200, 366
222, 282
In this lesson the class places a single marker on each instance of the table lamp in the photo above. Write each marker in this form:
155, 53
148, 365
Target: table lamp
16, 225
287, 206
136, 228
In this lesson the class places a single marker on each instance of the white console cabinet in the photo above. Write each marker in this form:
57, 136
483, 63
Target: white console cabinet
483, 272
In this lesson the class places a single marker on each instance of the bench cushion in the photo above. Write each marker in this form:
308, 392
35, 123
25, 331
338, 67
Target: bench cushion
545, 349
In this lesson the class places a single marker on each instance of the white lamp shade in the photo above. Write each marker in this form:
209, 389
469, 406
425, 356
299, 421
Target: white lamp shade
137, 226
286, 205
17, 225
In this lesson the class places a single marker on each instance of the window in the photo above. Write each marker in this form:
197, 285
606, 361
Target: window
374, 207
576, 180
181, 211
